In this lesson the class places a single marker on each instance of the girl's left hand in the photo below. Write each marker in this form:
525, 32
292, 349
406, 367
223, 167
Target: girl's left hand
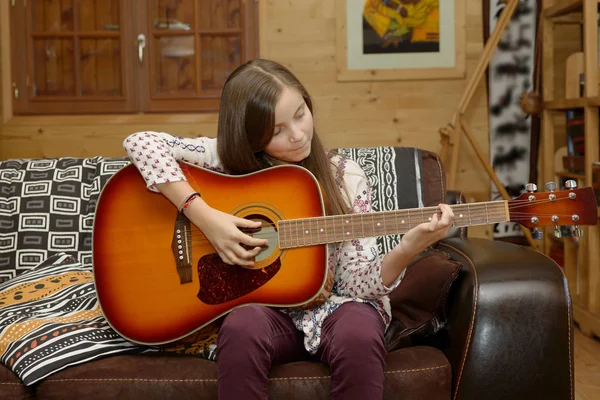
424, 235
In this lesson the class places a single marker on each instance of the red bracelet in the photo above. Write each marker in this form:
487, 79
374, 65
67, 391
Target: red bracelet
187, 201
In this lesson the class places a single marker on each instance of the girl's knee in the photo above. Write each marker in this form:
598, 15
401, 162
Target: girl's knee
243, 326
360, 326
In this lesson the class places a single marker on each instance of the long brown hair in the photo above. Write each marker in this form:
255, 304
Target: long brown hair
247, 120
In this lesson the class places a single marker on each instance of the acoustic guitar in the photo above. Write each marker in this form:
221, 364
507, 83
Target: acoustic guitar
159, 279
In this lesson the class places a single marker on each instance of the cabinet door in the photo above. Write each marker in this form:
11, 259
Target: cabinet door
71, 56
192, 46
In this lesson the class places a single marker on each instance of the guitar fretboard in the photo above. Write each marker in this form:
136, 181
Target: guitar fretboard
322, 230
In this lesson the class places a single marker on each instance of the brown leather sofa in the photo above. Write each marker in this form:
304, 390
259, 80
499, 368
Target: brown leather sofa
508, 335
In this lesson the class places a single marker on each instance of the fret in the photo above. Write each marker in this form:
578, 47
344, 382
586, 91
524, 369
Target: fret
384, 226
469, 214
288, 234
318, 232
375, 233
333, 226
297, 234
460, 214
326, 229
283, 226
362, 225
346, 225
487, 216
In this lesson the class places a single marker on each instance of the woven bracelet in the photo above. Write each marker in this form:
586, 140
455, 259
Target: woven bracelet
187, 201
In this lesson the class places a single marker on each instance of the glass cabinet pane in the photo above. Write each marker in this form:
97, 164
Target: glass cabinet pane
53, 67
101, 67
52, 16
219, 14
176, 65
220, 56
173, 14
98, 15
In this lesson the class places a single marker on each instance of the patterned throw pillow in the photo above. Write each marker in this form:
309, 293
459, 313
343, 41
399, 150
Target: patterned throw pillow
47, 207
50, 319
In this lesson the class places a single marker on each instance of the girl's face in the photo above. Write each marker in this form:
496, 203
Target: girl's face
293, 129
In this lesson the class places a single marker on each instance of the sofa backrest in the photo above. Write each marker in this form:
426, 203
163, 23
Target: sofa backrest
47, 205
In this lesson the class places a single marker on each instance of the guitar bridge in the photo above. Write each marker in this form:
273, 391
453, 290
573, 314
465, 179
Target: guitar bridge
182, 250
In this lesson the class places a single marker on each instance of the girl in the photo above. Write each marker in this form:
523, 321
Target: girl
265, 118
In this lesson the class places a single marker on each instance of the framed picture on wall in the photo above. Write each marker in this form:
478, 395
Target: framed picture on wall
400, 39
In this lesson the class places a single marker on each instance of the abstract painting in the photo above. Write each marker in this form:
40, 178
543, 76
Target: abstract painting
400, 39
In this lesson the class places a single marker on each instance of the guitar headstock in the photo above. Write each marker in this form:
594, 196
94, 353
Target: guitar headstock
553, 208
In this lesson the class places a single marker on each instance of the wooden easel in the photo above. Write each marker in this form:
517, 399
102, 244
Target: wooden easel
451, 133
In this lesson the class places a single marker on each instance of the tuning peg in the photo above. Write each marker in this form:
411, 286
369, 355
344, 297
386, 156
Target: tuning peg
531, 187
571, 184
557, 232
536, 234
576, 232
551, 186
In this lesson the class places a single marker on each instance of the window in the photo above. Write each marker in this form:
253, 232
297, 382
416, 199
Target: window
123, 56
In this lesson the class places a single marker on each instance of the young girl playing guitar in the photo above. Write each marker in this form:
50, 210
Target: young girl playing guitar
265, 119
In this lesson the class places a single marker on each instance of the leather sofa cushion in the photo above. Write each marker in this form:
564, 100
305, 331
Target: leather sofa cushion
416, 373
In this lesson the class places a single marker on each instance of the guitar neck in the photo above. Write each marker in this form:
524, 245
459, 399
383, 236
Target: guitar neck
332, 229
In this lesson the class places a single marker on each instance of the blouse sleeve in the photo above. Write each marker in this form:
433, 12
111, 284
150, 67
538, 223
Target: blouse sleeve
358, 272
156, 155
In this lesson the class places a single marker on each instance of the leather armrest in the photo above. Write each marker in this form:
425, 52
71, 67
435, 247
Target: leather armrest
456, 197
509, 329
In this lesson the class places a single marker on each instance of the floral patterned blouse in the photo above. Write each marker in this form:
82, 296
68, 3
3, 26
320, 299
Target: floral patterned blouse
357, 263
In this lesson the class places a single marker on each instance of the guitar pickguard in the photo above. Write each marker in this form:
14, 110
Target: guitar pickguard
220, 282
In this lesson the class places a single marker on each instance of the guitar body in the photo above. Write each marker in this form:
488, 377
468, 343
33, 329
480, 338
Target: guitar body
140, 290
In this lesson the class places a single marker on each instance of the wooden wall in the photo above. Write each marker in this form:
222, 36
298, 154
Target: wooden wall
302, 35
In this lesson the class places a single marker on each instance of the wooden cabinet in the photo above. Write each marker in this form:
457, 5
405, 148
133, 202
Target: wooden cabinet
120, 56
582, 255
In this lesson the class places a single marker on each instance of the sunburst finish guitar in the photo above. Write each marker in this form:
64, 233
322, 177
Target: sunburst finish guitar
158, 278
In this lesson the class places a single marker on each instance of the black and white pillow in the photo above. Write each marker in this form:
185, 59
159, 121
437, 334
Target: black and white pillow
47, 207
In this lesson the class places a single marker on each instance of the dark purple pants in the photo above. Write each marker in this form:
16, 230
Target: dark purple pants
253, 338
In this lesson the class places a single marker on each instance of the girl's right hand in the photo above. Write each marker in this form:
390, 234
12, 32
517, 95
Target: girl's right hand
223, 231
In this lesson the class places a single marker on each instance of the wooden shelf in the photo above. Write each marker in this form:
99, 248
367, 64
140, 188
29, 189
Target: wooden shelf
567, 104
566, 7
581, 262
572, 175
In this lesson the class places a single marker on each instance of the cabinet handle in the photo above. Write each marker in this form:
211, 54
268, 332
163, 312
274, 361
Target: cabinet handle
141, 45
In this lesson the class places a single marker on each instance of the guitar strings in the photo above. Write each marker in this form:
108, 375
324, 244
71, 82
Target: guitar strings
476, 211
